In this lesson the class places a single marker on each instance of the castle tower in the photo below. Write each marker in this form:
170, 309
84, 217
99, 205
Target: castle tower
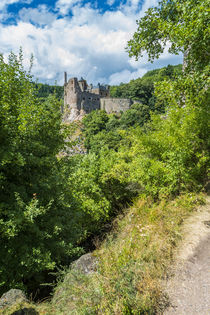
65, 78
82, 84
72, 91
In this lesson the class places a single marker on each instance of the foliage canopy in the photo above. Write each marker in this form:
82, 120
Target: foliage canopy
181, 24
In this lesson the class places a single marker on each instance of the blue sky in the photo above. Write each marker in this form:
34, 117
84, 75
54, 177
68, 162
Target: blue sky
85, 38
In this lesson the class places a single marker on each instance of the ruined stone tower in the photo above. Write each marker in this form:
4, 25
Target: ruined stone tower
81, 98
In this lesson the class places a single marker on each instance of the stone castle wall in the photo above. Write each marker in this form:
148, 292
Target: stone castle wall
78, 96
115, 105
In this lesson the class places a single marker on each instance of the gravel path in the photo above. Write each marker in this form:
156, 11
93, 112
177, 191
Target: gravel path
189, 288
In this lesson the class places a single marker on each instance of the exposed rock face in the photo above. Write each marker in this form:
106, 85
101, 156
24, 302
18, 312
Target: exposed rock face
72, 114
11, 297
86, 264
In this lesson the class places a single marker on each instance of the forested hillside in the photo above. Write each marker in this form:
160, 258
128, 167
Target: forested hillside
139, 178
142, 89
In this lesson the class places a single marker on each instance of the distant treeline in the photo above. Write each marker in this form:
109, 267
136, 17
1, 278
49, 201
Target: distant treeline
44, 90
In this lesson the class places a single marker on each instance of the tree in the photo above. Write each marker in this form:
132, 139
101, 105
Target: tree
49, 204
137, 115
177, 145
35, 220
44, 90
183, 24
93, 123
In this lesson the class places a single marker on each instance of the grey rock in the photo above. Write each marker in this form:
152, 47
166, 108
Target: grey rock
86, 263
11, 297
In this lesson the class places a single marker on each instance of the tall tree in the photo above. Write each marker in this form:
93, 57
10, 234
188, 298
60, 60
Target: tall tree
32, 211
181, 25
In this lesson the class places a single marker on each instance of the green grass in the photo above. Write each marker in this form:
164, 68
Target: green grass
134, 258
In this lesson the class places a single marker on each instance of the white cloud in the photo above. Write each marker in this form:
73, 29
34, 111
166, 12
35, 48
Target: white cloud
39, 15
125, 76
64, 6
146, 5
89, 43
110, 2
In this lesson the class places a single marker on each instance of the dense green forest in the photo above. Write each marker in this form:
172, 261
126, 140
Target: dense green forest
44, 90
52, 203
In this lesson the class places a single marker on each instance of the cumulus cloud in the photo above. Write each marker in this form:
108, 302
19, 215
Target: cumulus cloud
125, 76
64, 6
87, 43
40, 15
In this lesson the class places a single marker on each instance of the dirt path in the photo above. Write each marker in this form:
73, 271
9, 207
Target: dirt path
189, 288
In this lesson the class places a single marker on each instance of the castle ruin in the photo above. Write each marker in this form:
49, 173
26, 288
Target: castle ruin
81, 98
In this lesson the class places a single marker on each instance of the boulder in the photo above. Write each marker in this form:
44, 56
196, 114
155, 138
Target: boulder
86, 263
12, 297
